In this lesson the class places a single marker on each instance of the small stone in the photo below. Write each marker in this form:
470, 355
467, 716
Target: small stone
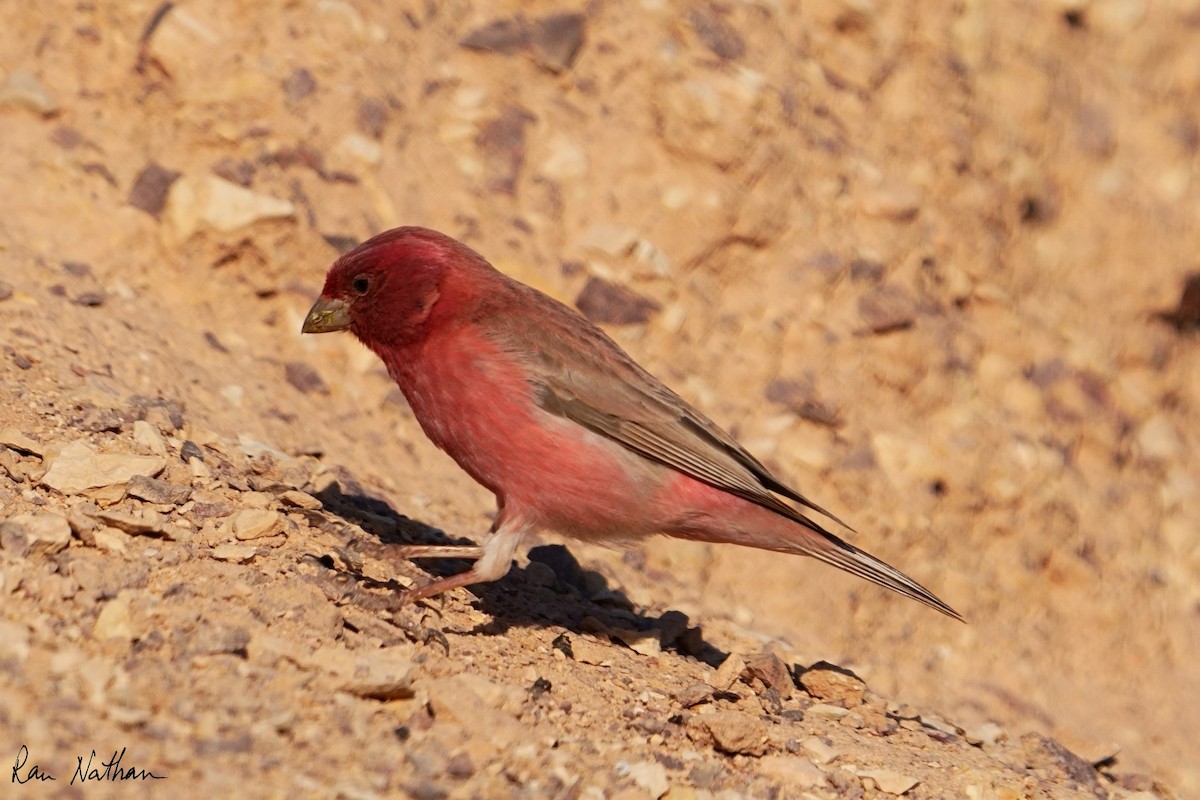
15, 440
693, 694
299, 499
151, 188
736, 733
717, 35
728, 673
148, 437
819, 750
83, 524
650, 776
36, 535
214, 202
587, 651
556, 40
235, 553
298, 85
832, 684
78, 468
235, 170
1186, 314
986, 735
148, 521
6, 291
1159, 440
153, 490
255, 523
887, 308
607, 303
501, 141
22, 88
110, 540
114, 621
304, 378
647, 643
889, 781
792, 771
372, 117
612, 240
894, 200
460, 766
767, 666
505, 36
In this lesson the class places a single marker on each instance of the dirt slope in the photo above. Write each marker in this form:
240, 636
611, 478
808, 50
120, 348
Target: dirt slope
911, 257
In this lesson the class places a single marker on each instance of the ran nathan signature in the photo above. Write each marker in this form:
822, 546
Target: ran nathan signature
93, 770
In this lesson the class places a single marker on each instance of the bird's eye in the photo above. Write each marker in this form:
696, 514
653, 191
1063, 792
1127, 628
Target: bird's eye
361, 284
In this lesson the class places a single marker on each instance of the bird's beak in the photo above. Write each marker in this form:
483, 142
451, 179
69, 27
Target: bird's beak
328, 314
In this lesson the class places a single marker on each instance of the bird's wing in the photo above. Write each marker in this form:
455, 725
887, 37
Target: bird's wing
580, 374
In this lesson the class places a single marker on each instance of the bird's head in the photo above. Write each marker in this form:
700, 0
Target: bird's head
394, 288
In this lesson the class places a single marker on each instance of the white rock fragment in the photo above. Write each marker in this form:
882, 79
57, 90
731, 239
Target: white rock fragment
221, 205
650, 776
78, 468
22, 88
819, 750
114, 622
148, 437
255, 523
235, 553
15, 440
42, 534
889, 781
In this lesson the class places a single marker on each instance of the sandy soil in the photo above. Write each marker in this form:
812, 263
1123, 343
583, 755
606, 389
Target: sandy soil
914, 258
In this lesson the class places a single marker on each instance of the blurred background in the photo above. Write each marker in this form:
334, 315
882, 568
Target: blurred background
924, 260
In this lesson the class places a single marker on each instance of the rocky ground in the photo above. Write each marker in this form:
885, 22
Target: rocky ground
927, 263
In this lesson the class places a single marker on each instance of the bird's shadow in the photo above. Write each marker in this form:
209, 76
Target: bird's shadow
566, 595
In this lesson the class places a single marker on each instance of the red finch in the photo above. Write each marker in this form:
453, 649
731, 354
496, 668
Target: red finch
542, 408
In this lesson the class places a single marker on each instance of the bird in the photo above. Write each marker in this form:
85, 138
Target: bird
541, 407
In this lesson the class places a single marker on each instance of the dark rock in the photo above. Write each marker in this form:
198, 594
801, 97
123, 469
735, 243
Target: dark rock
502, 142
887, 308
607, 303
372, 117
1186, 315
151, 187
557, 39
506, 36
153, 490
235, 170
299, 85
717, 34
304, 378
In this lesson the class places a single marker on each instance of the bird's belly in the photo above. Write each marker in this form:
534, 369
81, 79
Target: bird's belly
550, 471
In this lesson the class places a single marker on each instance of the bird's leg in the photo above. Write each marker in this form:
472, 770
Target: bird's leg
493, 560
471, 552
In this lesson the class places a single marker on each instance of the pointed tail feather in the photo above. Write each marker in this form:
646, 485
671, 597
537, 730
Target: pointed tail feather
857, 562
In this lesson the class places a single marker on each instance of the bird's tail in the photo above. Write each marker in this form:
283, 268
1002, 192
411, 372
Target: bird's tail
844, 555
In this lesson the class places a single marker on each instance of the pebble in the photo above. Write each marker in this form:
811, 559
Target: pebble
22, 88
819, 750
832, 684
887, 308
14, 439
114, 621
728, 673
148, 437
234, 553
299, 499
110, 540
210, 201
793, 771
767, 666
41, 534
149, 521
151, 188
153, 490
255, 523
894, 200
889, 781
650, 776
736, 733
79, 467
1158, 439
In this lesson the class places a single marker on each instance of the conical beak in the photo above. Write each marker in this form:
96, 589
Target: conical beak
327, 315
